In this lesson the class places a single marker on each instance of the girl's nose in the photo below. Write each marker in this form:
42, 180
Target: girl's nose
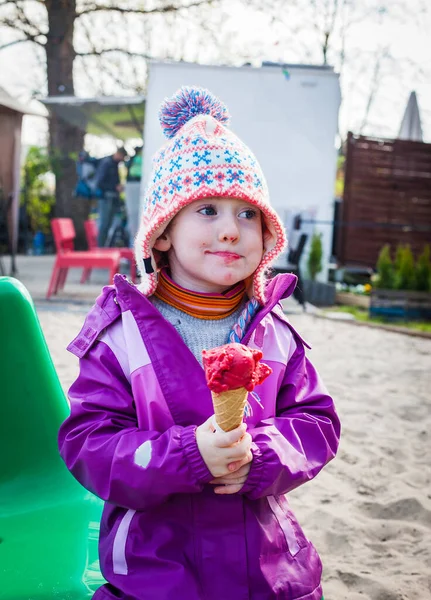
229, 231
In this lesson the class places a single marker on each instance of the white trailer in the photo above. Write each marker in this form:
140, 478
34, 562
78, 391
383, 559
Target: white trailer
287, 115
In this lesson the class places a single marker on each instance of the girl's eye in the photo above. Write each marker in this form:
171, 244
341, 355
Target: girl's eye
208, 211
249, 213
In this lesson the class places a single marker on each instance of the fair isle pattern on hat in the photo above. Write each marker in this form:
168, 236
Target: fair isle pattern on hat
202, 159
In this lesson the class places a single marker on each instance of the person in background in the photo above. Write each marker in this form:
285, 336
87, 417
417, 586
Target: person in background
132, 190
108, 182
297, 242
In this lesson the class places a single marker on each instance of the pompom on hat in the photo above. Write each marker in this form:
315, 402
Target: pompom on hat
202, 159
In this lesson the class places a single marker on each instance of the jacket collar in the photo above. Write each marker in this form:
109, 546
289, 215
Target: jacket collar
123, 296
278, 288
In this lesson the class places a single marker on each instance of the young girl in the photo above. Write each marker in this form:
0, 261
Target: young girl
192, 513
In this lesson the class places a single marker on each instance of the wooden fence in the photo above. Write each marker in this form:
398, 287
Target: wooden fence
387, 198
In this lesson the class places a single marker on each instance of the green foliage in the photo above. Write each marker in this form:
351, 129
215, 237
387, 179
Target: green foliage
362, 314
314, 263
405, 276
399, 253
423, 271
403, 273
36, 193
385, 269
339, 180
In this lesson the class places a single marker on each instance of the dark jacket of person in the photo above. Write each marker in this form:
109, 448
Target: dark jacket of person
107, 175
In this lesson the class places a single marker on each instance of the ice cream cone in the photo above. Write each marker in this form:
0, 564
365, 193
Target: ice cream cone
229, 408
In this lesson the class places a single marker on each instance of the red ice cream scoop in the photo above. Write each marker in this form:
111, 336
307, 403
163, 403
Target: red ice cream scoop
234, 366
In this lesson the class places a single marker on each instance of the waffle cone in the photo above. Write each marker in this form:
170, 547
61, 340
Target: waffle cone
229, 408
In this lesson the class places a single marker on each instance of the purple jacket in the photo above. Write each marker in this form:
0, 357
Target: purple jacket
131, 440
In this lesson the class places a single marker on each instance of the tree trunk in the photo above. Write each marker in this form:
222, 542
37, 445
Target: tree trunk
65, 140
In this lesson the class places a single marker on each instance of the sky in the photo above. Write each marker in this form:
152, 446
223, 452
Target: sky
401, 40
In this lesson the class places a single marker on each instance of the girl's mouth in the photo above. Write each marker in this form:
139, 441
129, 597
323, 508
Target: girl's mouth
228, 257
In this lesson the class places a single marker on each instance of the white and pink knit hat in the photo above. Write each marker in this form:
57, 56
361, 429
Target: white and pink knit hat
202, 159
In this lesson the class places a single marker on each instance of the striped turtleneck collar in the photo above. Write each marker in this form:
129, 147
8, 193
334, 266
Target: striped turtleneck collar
197, 304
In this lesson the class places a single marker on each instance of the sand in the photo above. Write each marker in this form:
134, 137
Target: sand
369, 511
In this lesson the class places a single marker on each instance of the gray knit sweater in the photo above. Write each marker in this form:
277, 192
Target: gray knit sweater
198, 334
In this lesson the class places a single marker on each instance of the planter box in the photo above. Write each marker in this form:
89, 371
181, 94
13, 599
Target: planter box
400, 304
319, 294
350, 299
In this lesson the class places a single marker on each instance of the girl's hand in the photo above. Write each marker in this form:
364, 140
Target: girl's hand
232, 483
223, 453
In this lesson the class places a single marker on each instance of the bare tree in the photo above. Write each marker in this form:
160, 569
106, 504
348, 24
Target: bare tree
52, 26
331, 32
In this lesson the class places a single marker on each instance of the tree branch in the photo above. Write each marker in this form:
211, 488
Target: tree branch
95, 52
6, 2
15, 42
29, 36
20, 22
375, 83
140, 11
23, 19
112, 72
14, 2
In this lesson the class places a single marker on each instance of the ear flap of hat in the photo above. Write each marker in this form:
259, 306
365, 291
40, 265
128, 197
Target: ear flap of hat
148, 259
274, 242
146, 262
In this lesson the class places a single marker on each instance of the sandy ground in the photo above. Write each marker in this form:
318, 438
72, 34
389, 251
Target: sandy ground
369, 511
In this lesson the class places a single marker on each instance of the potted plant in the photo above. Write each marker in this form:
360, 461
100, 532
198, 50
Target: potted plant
402, 287
385, 269
316, 292
315, 255
37, 196
423, 271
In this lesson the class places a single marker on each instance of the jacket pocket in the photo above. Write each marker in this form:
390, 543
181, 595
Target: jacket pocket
119, 561
295, 539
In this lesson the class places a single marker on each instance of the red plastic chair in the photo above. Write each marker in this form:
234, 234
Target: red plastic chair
64, 234
91, 237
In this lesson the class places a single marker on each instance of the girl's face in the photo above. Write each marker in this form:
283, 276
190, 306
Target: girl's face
213, 244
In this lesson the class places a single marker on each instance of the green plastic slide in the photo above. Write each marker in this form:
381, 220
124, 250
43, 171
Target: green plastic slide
49, 524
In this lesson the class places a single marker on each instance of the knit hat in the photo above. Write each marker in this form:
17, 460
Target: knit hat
202, 159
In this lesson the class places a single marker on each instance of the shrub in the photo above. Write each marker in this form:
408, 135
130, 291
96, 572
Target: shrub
314, 263
399, 253
405, 276
403, 273
423, 271
385, 269
37, 195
